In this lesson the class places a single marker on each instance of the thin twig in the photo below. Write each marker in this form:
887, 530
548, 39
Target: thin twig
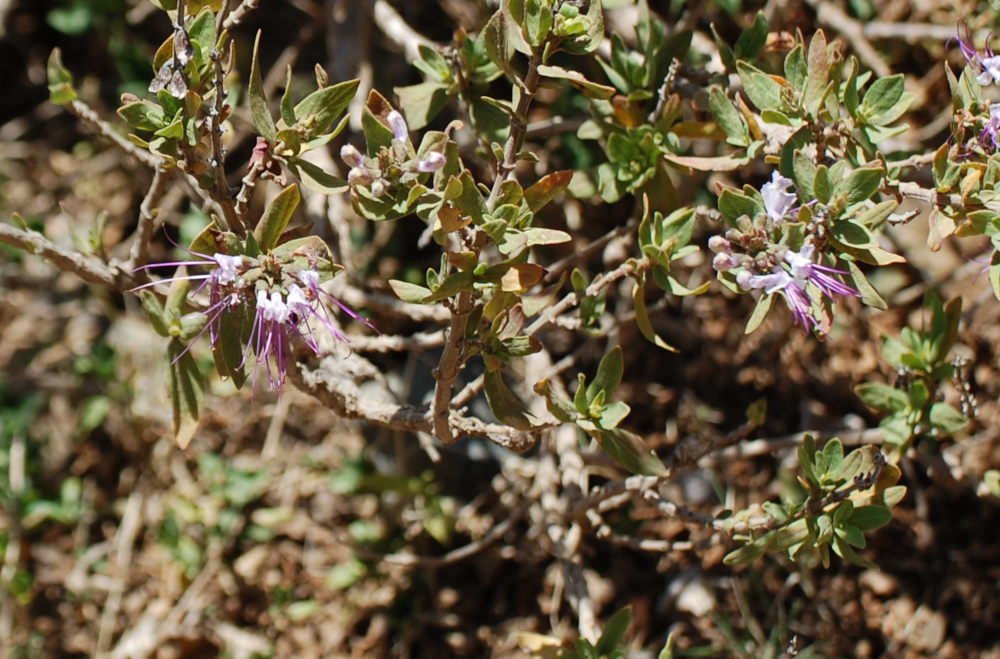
331, 386
399, 32
147, 218
237, 15
464, 552
417, 342
87, 114
626, 269
86, 267
221, 191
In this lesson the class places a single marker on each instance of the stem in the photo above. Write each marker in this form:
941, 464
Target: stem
87, 114
87, 268
221, 189
236, 16
453, 357
147, 217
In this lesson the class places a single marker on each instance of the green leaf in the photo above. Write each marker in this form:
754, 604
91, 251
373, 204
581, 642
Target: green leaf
613, 414
795, 66
882, 97
822, 188
729, 118
186, 392
60, 80
158, 316
642, 318
749, 552
833, 454
668, 648
861, 184
628, 450
759, 313
762, 90
733, 204
944, 327
752, 40
143, 115
201, 31
589, 88
228, 348
881, 396
947, 418
609, 374
408, 292
275, 218
842, 549
507, 407
433, 64
316, 113
853, 235
259, 110
868, 518
377, 133
560, 406
421, 102
287, 111
991, 478
614, 632
73, 20
315, 178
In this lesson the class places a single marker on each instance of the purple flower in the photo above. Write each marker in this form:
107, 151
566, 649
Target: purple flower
269, 337
805, 270
988, 135
400, 132
791, 283
283, 312
778, 202
432, 162
780, 281
987, 65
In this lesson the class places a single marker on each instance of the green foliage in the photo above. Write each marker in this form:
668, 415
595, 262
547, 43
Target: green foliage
920, 358
593, 411
840, 498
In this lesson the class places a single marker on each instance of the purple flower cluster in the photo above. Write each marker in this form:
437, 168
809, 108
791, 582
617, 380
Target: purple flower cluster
986, 65
791, 282
755, 255
377, 173
294, 309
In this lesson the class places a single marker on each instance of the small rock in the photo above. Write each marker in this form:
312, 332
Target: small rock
879, 583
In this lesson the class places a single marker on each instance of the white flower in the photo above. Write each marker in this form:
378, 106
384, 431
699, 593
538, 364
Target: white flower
991, 71
228, 268
400, 132
778, 202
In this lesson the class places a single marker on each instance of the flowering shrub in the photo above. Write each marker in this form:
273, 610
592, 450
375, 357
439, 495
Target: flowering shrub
650, 120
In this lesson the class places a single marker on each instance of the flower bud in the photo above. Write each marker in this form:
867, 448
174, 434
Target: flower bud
724, 262
352, 156
433, 162
719, 244
400, 132
743, 279
359, 176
